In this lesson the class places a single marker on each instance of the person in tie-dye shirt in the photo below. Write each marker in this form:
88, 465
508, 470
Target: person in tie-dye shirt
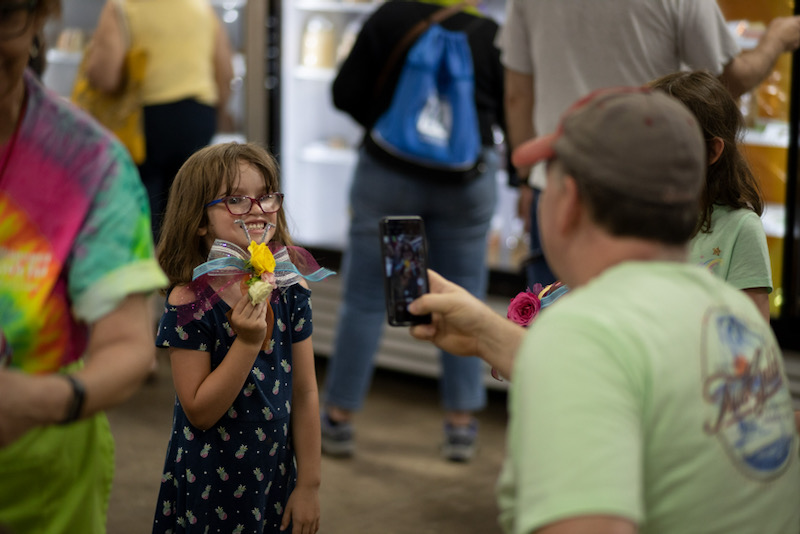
76, 266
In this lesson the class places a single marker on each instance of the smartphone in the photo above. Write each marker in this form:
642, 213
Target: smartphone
405, 267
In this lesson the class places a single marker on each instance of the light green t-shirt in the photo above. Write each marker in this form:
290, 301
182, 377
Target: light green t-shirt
735, 250
655, 393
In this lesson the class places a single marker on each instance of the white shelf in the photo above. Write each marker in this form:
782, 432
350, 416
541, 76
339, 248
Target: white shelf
337, 7
771, 134
314, 74
774, 219
56, 56
321, 152
229, 4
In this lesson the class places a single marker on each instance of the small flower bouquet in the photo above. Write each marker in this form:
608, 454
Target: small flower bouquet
524, 308
261, 265
262, 272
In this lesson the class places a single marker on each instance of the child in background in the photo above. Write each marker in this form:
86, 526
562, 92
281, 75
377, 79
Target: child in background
244, 454
729, 238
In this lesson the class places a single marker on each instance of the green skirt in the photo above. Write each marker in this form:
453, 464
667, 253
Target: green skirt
57, 479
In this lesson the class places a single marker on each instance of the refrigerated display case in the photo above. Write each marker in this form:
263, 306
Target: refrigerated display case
316, 145
771, 146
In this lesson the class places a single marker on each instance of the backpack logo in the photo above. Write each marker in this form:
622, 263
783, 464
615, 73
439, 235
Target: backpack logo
432, 120
435, 121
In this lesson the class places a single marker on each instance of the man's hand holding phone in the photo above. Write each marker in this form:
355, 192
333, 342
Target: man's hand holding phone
465, 326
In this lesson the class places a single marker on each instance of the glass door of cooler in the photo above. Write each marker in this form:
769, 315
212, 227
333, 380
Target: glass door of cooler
767, 145
316, 142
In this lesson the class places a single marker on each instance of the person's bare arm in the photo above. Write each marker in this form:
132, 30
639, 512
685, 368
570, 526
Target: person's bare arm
223, 67
205, 394
465, 326
303, 506
120, 354
760, 297
106, 51
751, 67
519, 101
591, 524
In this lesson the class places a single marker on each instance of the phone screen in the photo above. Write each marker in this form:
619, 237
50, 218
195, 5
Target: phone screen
405, 267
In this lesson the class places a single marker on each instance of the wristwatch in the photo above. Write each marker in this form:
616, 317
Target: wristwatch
78, 396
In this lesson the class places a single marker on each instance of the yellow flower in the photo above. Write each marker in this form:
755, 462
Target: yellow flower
261, 259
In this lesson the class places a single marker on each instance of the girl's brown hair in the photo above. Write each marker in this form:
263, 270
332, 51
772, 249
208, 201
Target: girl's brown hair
180, 249
48, 8
729, 180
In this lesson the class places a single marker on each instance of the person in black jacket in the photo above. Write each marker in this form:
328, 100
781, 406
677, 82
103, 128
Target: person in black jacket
457, 207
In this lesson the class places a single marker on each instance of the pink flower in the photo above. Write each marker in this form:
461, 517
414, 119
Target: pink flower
268, 278
524, 308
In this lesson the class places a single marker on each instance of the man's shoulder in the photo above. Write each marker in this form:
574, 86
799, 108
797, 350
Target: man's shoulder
634, 290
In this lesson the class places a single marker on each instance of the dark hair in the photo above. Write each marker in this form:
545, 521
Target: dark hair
625, 216
729, 180
180, 249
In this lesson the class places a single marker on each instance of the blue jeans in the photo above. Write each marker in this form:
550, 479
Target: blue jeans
457, 218
537, 269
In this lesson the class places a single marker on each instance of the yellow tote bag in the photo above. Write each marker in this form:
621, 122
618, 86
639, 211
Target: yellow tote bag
120, 112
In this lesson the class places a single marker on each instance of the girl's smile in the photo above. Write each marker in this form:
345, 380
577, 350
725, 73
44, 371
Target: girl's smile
260, 226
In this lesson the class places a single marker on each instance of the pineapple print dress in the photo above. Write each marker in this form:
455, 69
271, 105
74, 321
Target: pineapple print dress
237, 476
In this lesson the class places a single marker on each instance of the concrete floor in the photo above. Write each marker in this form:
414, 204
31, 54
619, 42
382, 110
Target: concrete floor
396, 484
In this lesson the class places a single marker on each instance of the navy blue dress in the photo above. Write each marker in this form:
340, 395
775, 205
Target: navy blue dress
237, 476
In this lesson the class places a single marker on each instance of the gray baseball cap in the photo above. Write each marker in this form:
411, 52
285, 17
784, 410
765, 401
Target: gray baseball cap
637, 141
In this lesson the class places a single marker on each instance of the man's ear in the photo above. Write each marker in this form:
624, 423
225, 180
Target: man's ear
570, 208
715, 148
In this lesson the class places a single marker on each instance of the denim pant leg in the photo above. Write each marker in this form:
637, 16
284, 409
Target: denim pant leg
457, 225
362, 313
537, 269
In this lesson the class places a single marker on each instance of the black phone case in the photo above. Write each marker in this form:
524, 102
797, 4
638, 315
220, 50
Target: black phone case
404, 254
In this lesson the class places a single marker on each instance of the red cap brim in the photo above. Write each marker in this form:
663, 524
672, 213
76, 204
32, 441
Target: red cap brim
534, 151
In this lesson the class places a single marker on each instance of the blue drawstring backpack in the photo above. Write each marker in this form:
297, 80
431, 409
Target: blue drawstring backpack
432, 120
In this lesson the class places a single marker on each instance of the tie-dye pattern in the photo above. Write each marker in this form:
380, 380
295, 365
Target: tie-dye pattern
73, 215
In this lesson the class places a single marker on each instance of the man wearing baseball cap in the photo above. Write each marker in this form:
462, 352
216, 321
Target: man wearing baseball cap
652, 397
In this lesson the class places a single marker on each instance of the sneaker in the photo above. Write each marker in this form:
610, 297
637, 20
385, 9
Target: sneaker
337, 438
460, 442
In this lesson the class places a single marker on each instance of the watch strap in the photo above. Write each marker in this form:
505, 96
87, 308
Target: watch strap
76, 404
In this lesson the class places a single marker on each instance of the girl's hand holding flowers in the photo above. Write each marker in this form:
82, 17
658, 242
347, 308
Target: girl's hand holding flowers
252, 318
262, 265
524, 308
249, 321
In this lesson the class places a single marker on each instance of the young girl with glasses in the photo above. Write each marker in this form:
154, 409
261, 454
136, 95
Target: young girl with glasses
244, 454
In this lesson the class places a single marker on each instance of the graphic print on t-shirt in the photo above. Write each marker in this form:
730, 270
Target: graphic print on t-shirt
713, 262
27, 276
746, 394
